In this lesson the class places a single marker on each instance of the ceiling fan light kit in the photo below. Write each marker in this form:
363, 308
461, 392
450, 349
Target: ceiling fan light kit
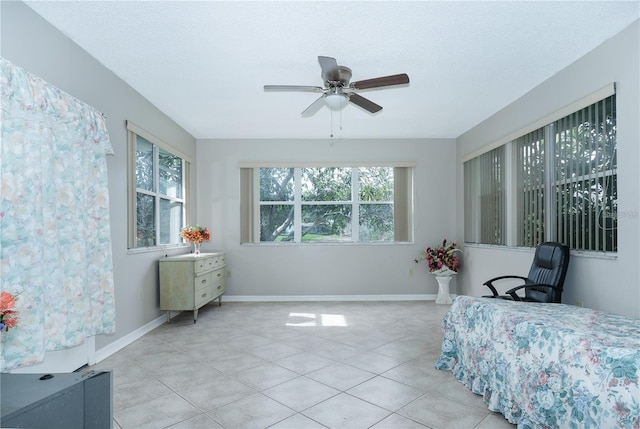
337, 91
335, 101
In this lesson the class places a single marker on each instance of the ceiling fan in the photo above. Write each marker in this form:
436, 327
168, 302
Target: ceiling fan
338, 91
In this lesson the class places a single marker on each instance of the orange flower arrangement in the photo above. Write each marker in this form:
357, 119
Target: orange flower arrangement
8, 317
195, 234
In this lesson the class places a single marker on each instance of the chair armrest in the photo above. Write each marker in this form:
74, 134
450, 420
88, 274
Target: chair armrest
515, 297
489, 283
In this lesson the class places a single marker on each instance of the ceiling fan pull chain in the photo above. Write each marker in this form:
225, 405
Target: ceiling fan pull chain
331, 113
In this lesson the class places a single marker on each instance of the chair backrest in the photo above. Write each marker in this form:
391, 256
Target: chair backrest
549, 267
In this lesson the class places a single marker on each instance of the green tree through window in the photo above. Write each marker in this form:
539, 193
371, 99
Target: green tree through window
327, 204
156, 191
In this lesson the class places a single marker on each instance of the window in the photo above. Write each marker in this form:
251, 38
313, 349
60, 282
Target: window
157, 179
484, 193
565, 182
320, 204
584, 178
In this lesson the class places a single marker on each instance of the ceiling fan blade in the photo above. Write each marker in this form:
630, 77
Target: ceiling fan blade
293, 88
366, 104
396, 79
329, 67
314, 107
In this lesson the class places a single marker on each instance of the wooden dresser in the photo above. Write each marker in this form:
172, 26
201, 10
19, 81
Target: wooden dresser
187, 282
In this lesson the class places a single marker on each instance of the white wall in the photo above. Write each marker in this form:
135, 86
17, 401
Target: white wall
319, 269
30, 42
607, 284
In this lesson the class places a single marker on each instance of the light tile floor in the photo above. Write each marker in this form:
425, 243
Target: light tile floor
294, 365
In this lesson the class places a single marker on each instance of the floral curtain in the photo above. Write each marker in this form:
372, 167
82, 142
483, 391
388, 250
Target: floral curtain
55, 240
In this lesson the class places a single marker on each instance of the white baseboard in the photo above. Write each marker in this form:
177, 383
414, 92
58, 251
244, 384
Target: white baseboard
326, 298
121, 343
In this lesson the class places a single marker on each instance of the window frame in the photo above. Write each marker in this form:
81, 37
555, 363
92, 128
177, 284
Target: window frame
133, 131
250, 202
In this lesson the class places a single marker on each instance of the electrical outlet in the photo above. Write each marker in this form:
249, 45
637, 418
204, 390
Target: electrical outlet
410, 272
228, 274
580, 303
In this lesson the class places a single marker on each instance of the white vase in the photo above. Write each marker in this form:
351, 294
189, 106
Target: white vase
443, 290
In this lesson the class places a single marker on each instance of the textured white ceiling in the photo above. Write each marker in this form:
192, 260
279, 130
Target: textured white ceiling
204, 63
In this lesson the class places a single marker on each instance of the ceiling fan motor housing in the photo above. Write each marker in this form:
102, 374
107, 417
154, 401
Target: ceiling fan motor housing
344, 75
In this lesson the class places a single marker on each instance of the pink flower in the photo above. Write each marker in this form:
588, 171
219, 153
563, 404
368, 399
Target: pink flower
620, 409
543, 378
441, 256
8, 316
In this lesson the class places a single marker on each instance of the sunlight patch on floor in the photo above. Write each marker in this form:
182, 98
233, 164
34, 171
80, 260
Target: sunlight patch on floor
312, 319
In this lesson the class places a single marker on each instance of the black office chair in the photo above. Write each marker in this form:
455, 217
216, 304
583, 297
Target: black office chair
546, 276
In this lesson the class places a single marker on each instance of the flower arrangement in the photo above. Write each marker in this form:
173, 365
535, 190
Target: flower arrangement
195, 234
441, 260
8, 317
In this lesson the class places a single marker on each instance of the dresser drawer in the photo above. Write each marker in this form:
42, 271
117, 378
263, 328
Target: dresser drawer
218, 282
203, 296
216, 262
202, 264
203, 280
203, 287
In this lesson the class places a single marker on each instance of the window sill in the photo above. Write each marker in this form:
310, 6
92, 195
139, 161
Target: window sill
136, 250
574, 253
326, 243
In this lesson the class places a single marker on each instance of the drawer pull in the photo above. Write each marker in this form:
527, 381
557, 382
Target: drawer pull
204, 294
219, 274
219, 286
204, 280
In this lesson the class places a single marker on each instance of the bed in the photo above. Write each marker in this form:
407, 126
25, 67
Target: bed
546, 365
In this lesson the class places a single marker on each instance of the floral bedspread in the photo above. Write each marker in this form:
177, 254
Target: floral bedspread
546, 365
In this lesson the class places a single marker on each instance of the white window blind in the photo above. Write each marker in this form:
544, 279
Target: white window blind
567, 181
530, 175
585, 178
484, 188
565, 174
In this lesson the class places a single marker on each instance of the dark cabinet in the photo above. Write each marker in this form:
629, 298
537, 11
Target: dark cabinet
66, 401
